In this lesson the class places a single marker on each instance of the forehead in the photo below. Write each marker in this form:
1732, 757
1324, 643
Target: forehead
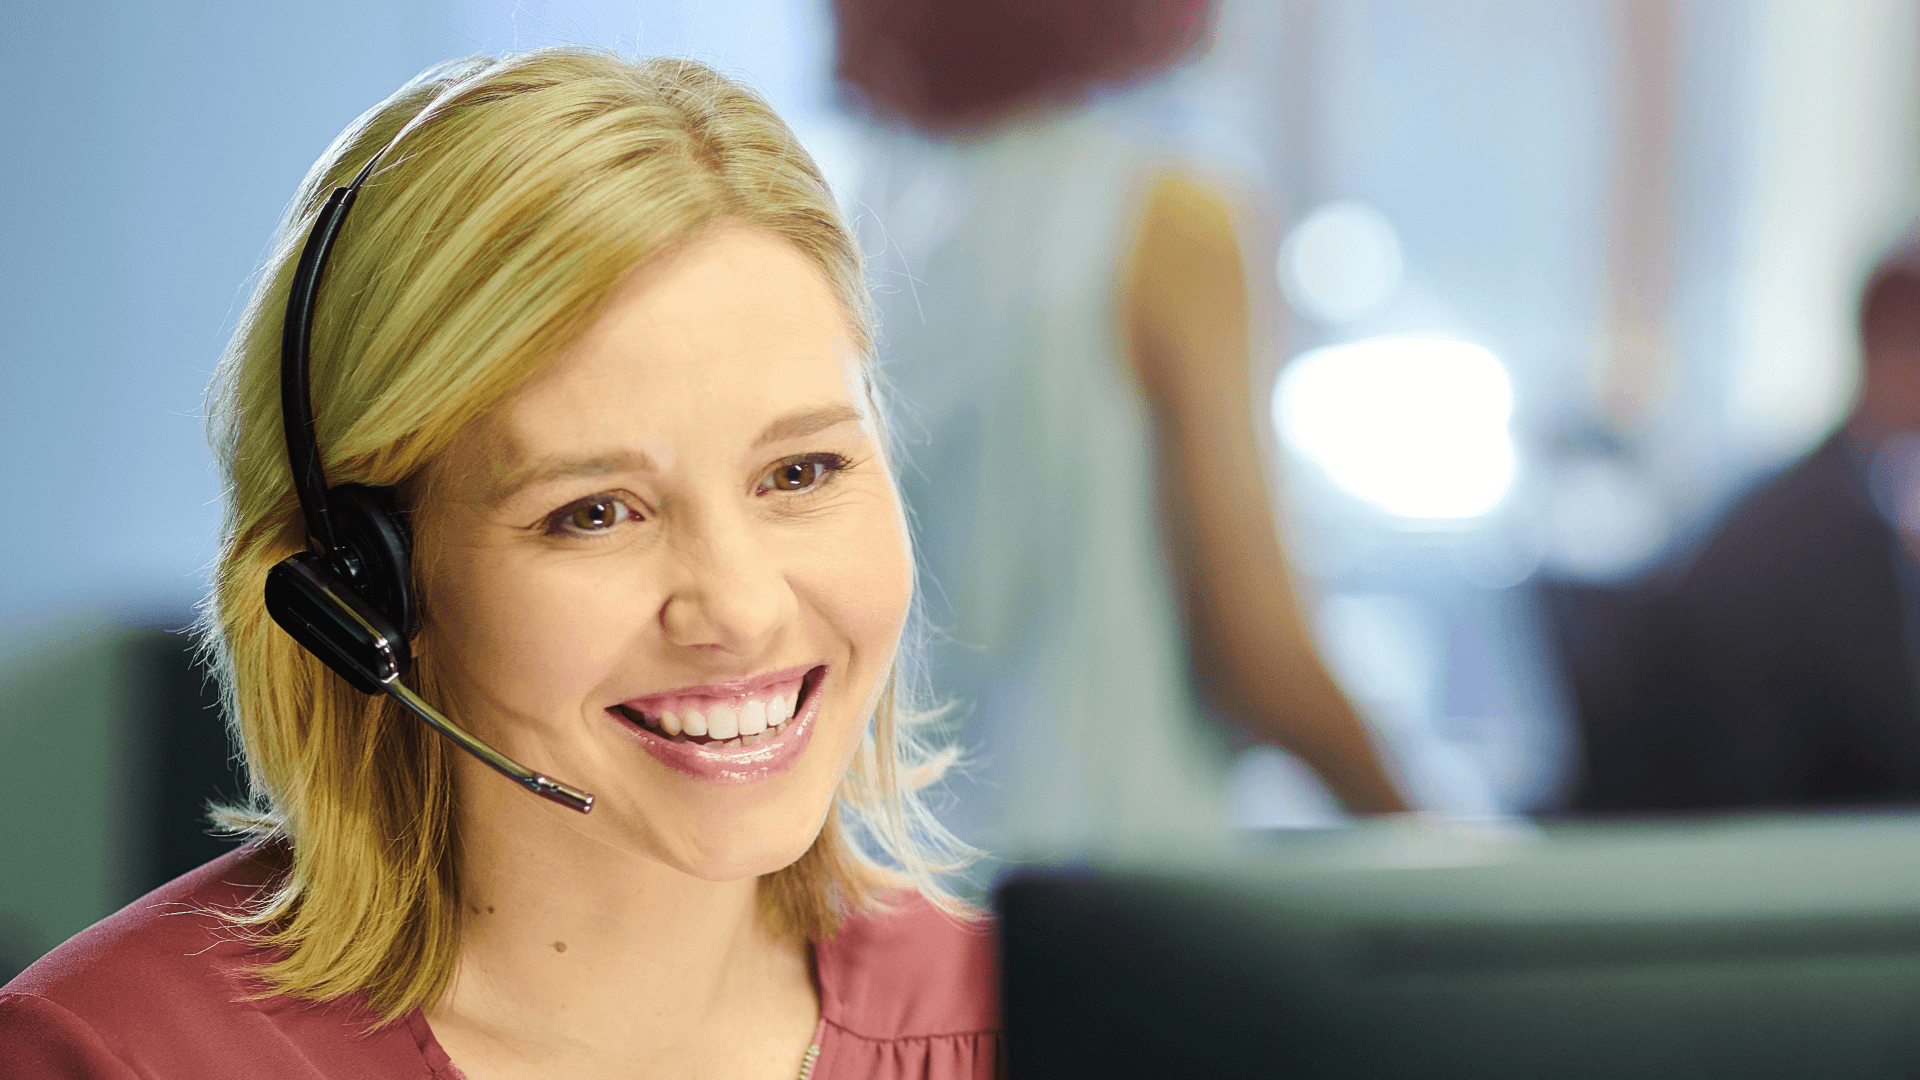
704, 344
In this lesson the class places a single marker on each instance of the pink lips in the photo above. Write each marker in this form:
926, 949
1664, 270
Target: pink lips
731, 765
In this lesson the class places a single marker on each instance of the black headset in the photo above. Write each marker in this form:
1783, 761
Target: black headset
349, 599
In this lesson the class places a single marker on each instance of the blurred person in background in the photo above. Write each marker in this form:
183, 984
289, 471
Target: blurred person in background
1081, 356
1779, 667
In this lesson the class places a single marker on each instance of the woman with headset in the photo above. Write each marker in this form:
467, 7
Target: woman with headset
550, 423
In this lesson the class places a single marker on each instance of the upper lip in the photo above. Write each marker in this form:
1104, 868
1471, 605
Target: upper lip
732, 688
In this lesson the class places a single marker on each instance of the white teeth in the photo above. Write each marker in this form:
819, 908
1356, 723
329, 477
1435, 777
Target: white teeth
728, 725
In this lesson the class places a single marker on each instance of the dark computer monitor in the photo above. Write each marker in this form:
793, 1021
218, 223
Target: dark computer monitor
1777, 947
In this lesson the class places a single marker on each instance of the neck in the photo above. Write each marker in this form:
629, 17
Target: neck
574, 951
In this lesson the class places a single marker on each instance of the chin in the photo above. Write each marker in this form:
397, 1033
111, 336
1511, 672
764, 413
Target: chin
732, 859
724, 840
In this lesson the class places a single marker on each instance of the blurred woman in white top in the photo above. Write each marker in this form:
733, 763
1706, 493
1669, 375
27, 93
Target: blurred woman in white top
1076, 352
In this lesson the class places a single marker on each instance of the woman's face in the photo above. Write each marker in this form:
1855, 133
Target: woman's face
672, 569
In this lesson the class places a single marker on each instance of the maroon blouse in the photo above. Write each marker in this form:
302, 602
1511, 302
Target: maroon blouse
159, 991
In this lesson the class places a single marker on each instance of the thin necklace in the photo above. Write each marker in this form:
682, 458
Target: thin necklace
806, 1063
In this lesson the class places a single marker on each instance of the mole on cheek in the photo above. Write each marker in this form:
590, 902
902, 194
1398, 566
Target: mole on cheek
559, 946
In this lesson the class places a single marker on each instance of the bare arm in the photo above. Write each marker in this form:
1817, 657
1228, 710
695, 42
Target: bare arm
1188, 328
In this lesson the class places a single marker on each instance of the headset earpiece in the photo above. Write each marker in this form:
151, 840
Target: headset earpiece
353, 606
374, 552
326, 617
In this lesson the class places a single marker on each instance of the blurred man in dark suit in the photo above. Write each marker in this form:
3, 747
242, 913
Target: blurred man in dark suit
1779, 668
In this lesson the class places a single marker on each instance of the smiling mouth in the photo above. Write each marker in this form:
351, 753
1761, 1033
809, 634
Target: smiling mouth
736, 721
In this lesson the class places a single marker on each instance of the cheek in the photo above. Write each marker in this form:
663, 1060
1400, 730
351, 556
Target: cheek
864, 582
520, 641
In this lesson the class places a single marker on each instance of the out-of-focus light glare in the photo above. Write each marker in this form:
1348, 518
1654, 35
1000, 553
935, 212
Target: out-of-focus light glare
1414, 425
1341, 262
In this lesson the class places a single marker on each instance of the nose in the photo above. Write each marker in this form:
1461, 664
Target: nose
730, 592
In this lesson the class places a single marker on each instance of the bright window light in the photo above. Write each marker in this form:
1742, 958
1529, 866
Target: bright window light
1414, 425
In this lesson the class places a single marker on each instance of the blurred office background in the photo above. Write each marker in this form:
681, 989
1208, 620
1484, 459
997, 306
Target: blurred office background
1560, 280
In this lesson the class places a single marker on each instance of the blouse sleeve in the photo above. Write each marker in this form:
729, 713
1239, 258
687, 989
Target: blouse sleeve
39, 1040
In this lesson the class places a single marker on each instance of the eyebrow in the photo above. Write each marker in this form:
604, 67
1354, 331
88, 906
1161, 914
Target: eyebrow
548, 470
801, 425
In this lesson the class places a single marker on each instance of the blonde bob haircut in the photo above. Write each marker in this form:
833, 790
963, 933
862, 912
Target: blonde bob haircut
514, 195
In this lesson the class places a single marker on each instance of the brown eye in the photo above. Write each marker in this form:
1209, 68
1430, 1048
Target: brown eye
812, 472
595, 515
796, 475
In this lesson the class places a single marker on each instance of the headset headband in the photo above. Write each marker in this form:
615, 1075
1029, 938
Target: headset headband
296, 393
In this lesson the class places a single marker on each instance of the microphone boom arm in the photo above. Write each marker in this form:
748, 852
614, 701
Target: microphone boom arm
544, 786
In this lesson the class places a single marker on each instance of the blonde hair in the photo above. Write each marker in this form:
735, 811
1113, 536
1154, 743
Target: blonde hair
515, 194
